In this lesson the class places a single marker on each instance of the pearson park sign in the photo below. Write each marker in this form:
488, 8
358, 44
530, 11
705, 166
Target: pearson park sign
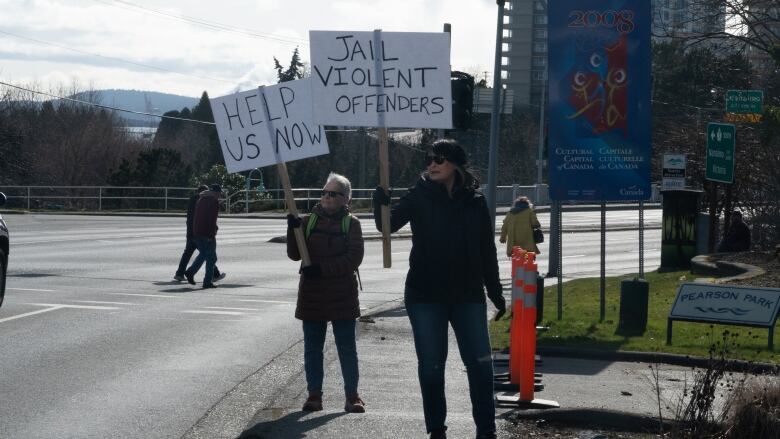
725, 304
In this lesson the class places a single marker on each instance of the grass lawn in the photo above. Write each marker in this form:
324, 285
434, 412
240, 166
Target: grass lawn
580, 326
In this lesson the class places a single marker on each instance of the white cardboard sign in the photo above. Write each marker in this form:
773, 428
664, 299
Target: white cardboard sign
726, 303
268, 125
381, 79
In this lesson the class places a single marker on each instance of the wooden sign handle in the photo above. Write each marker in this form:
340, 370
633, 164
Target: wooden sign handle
384, 181
288, 196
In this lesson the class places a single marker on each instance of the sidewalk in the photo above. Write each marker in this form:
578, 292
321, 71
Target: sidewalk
616, 392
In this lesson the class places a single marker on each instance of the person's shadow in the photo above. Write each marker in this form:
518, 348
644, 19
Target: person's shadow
290, 426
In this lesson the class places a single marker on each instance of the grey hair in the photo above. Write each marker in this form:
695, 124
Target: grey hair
342, 181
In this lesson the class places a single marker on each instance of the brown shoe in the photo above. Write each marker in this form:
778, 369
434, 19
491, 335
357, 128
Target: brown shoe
313, 402
354, 404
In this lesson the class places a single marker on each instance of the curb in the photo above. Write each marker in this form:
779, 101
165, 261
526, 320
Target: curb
375, 237
710, 265
602, 418
656, 357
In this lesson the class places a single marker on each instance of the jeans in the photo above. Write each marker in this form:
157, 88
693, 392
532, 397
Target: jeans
469, 322
313, 344
189, 249
207, 251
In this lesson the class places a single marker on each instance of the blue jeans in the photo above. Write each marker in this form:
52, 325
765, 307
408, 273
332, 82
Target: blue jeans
189, 249
207, 251
469, 322
313, 344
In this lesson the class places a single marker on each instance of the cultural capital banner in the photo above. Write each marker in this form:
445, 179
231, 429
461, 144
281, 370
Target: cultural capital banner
599, 92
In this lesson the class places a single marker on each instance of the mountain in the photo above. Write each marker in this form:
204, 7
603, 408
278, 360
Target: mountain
146, 102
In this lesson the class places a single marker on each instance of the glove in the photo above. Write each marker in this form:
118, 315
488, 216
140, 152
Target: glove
500, 303
381, 197
293, 222
312, 271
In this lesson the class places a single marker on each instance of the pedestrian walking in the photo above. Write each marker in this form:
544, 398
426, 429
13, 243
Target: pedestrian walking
328, 288
453, 259
204, 232
189, 246
518, 227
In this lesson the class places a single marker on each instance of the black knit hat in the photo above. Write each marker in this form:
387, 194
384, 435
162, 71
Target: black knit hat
450, 150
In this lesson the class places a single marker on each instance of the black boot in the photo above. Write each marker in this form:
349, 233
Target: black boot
439, 433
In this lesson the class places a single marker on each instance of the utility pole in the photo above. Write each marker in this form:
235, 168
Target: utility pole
540, 152
448, 30
495, 119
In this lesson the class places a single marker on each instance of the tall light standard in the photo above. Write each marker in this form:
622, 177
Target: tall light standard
540, 152
249, 187
495, 119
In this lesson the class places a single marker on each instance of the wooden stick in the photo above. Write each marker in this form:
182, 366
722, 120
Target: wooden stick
288, 196
384, 181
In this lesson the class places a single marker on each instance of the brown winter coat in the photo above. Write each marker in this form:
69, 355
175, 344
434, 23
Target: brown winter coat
334, 296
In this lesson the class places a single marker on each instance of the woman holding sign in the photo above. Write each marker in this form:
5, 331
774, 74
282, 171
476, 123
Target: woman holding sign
453, 259
328, 289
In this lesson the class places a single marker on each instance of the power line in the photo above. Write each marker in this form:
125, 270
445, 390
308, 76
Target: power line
61, 46
124, 110
213, 25
107, 107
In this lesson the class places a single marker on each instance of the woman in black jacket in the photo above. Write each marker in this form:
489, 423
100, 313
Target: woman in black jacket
453, 259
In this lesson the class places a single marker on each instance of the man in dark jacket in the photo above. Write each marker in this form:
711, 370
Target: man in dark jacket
189, 247
204, 232
737, 237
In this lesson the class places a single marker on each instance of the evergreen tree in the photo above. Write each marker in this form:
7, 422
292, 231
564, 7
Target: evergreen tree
295, 71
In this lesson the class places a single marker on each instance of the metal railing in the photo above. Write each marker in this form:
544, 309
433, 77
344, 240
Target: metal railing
119, 198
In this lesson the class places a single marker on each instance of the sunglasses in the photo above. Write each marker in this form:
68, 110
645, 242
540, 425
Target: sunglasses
332, 194
434, 158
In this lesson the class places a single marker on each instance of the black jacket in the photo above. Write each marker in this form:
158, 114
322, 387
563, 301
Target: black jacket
453, 257
191, 213
737, 238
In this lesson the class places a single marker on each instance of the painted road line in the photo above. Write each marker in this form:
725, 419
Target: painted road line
19, 316
60, 305
231, 309
53, 307
101, 302
31, 289
267, 301
162, 296
223, 313
574, 256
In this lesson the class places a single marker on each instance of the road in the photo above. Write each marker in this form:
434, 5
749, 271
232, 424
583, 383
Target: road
98, 341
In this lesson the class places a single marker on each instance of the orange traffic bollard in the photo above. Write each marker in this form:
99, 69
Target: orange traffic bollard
528, 331
516, 306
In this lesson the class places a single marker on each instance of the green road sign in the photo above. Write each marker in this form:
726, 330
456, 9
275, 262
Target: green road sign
720, 152
744, 101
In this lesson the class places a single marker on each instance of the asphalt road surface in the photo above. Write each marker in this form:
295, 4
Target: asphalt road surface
97, 340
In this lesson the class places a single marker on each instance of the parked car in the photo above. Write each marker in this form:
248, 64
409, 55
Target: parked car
3, 251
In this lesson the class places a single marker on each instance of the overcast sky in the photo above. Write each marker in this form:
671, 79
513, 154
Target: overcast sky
232, 48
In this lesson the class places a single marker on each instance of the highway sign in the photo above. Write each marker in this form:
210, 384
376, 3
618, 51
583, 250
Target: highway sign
720, 152
744, 101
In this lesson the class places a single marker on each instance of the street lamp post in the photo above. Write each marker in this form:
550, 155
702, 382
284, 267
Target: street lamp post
495, 119
249, 187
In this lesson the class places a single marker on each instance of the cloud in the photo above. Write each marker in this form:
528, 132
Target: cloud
144, 37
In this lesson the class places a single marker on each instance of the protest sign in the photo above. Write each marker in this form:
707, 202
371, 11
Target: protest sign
381, 79
256, 131
270, 125
360, 77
